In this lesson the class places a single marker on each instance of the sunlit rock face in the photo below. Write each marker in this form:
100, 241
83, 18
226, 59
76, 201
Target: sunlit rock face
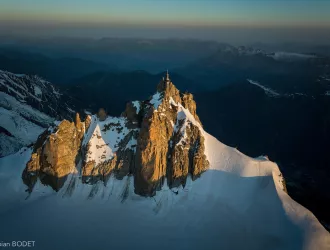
169, 144
153, 140
55, 154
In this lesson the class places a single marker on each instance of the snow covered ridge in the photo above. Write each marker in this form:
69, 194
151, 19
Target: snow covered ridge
237, 198
289, 56
24, 86
208, 195
28, 105
268, 91
277, 55
242, 50
22, 124
274, 94
36, 92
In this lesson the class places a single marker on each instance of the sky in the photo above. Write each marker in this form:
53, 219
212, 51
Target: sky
168, 18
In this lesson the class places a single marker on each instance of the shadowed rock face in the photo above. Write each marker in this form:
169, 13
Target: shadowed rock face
187, 155
154, 140
121, 163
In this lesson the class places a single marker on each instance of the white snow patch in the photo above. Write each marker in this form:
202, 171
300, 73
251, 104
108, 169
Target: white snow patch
13, 118
102, 141
37, 91
55, 92
181, 116
11, 184
132, 144
156, 100
70, 110
288, 56
268, 91
20, 75
172, 102
98, 150
301, 94
136, 104
16, 82
184, 115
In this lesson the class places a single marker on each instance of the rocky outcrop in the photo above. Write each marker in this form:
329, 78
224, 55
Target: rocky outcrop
189, 103
152, 150
158, 139
165, 149
133, 113
55, 154
187, 153
109, 150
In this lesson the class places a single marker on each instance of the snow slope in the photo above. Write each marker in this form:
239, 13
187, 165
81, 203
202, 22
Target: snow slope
103, 138
22, 122
28, 105
239, 203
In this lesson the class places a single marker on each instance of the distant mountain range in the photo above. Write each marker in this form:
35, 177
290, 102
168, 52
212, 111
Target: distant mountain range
112, 90
124, 54
60, 70
233, 64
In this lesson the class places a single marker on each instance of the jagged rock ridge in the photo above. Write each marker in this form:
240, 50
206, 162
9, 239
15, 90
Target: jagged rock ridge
28, 105
55, 154
153, 140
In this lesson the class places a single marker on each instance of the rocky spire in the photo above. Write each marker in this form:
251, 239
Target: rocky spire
154, 139
169, 144
167, 79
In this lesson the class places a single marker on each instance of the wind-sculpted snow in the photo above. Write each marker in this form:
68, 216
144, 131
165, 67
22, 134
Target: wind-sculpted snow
239, 203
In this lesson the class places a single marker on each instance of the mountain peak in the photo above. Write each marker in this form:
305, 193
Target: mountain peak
167, 92
154, 139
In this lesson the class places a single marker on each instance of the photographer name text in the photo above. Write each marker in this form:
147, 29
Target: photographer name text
17, 244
